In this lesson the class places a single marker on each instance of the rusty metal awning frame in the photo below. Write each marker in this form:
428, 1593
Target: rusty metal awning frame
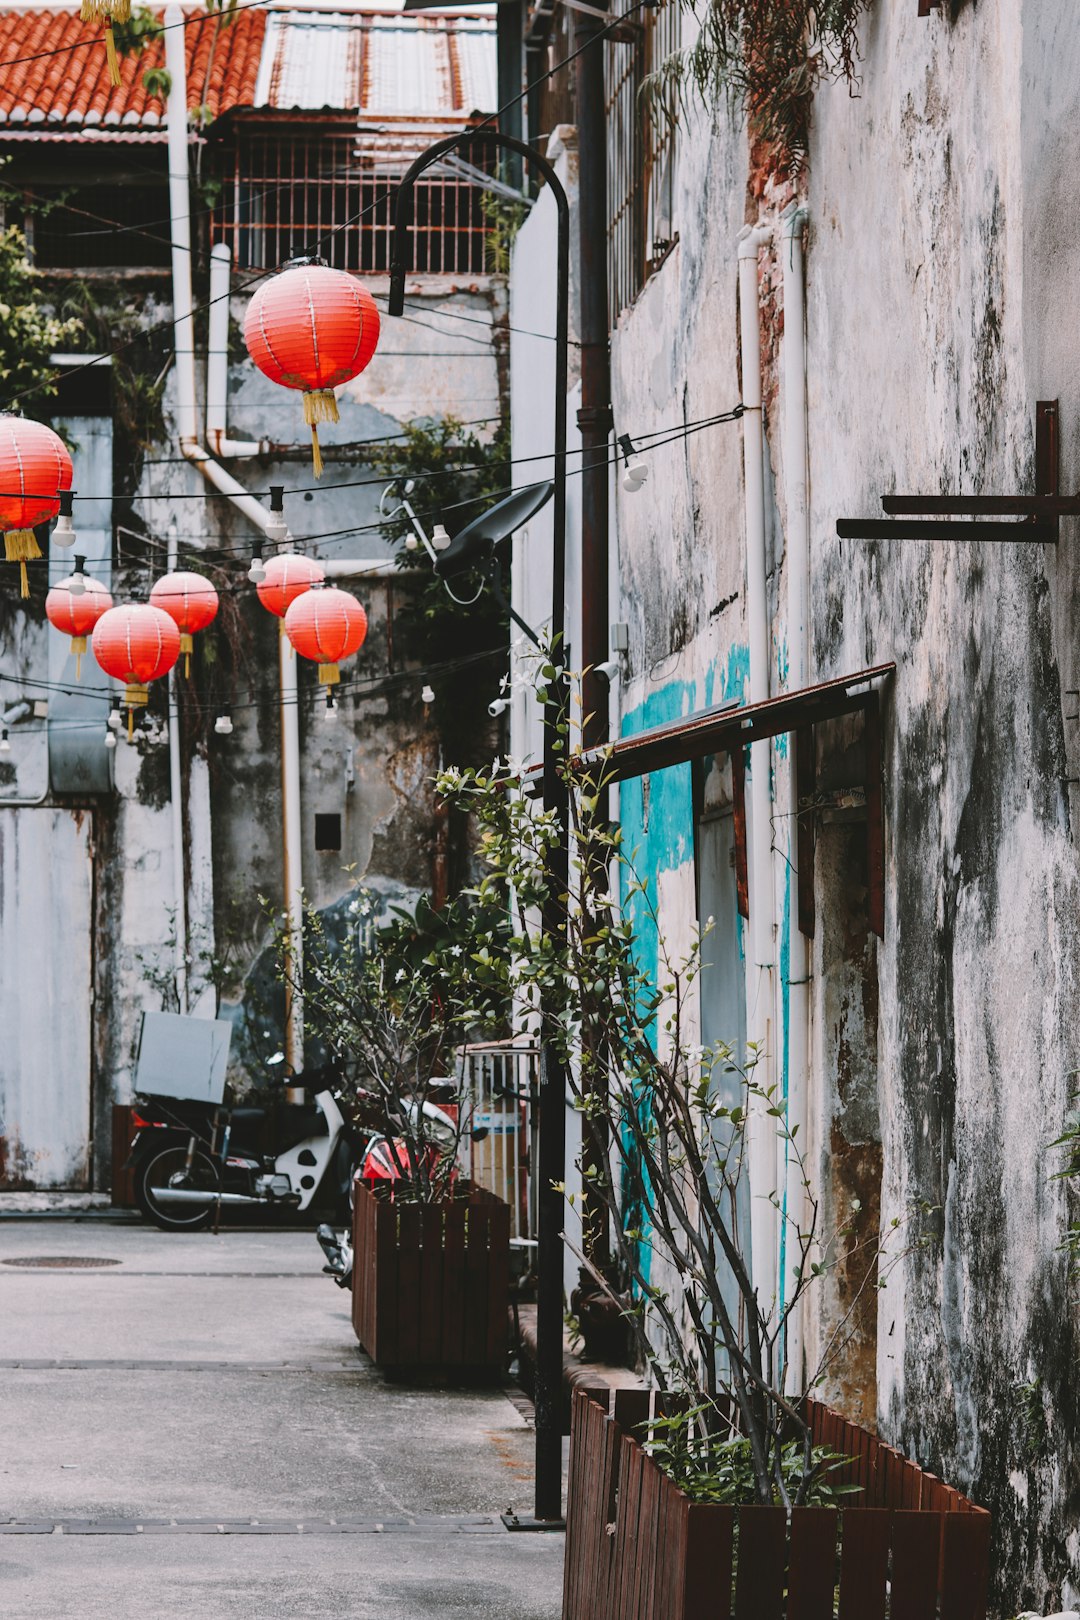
728, 730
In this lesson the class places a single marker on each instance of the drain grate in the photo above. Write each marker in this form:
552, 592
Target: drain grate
58, 1262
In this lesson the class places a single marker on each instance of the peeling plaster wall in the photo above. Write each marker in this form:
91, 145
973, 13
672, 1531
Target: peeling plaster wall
943, 257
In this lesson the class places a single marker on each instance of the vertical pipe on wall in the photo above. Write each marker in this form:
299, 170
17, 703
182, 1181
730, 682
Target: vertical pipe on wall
186, 420
797, 547
292, 875
176, 798
760, 952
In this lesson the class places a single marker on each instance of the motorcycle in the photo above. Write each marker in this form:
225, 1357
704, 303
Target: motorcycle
192, 1159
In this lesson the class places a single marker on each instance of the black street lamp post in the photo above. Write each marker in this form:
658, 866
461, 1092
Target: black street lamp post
552, 1143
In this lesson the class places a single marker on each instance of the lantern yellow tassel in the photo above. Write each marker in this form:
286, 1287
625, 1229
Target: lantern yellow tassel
187, 647
78, 647
106, 11
319, 406
329, 674
111, 57
21, 546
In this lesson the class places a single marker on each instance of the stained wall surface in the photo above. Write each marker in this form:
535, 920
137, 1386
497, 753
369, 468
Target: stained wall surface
942, 258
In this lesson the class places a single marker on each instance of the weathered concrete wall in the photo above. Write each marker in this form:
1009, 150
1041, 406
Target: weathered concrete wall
373, 769
941, 274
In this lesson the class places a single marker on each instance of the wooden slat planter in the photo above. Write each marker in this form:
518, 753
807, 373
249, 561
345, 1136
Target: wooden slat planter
431, 1282
907, 1548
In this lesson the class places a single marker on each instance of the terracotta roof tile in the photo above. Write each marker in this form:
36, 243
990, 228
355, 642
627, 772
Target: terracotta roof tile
70, 90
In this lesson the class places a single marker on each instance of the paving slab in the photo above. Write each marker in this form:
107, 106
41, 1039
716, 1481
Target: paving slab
164, 1414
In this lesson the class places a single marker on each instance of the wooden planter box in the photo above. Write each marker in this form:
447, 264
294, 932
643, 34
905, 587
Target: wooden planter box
907, 1548
431, 1281
123, 1132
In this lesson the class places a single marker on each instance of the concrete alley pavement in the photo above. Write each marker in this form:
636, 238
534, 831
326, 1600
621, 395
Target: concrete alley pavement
210, 1390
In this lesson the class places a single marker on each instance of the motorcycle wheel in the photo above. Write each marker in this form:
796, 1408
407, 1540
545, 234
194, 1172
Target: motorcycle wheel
166, 1169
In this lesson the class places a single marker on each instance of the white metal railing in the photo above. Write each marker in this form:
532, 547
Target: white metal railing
499, 1087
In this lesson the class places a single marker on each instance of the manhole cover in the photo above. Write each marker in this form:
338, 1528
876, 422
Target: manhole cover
72, 1262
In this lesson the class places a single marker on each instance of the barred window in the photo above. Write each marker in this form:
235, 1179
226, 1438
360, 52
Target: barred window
286, 193
641, 158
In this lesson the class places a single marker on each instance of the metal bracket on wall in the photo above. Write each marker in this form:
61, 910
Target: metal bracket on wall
980, 517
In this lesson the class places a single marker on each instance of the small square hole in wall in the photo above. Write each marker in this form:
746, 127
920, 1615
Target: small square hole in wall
328, 831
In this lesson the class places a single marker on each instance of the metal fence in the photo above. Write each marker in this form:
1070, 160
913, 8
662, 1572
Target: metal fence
500, 1087
332, 192
641, 157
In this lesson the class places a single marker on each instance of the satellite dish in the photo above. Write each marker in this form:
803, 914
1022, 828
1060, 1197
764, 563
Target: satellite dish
477, 540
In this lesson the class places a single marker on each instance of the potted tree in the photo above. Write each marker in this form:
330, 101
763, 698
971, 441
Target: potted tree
391, 1005
726, 1479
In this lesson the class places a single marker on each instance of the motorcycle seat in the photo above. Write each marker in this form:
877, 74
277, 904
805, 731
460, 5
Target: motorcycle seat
246, 1116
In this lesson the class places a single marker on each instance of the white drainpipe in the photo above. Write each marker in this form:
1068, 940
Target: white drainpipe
176, 801
760, 947
217, 362
180, 208
797, 540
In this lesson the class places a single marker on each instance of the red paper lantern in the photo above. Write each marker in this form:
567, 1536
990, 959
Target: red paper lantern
76, 615
287, 576
136, 644
326, 626
191, 603
312, 328
34, 468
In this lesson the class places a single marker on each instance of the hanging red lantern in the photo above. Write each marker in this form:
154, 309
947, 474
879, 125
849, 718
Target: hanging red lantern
75, 614
312, 328
191, 603
136, 643
34, 468
286, 577
326, 626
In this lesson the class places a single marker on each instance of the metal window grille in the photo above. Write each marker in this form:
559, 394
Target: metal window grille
332, 192
641, 158
500, 1088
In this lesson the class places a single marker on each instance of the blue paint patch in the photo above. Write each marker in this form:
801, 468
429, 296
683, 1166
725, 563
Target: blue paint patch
658, 824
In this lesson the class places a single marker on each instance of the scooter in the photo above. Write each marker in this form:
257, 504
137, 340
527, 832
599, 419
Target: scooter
191, 1160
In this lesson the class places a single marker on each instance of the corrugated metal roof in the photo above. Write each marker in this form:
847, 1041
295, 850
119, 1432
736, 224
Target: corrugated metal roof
438, 64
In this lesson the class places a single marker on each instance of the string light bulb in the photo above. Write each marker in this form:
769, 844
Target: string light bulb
5, 742
257, 571
330, 713
427, 695
636, 471
440, 539
110, 736
63, 534
77, 583
223, 725
277, 530
116, 719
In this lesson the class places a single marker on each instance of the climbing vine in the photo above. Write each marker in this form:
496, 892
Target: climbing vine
461, 474
769, 57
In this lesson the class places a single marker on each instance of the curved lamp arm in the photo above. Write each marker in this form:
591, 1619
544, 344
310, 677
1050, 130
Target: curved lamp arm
396, 306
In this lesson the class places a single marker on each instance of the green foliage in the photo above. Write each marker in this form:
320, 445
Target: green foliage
29, 333
769, 56
720, 1468
132, 38
1069, 1142
504, 219
666, 1123
469, 473
1031, 1419
391, 1005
